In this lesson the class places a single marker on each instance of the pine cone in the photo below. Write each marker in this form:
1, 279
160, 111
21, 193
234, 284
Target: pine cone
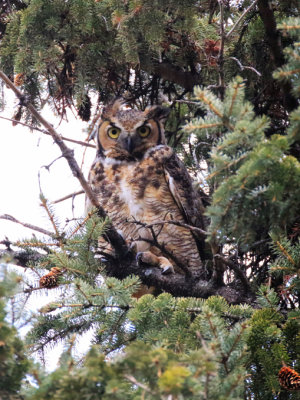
289, 379
19, 79
50, 280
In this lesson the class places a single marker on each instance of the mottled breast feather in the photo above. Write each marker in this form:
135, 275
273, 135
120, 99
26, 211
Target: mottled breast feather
154, 189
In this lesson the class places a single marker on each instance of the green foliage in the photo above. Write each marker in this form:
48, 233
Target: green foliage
153, 347
13, 362
165, 347
290, 71
253, 175
183, 347
271, 342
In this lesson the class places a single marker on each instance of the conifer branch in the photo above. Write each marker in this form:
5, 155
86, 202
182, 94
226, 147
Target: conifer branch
192, 127
50, 215
90, 214
285, 252
236, 87
236, 340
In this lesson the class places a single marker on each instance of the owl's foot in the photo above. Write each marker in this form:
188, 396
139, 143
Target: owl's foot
168, 269
148, 257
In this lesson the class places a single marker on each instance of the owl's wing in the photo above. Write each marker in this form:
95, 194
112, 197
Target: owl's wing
186, 197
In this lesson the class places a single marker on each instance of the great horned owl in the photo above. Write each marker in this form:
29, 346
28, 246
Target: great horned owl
145, 189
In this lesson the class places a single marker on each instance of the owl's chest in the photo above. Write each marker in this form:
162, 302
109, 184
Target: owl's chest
134, 190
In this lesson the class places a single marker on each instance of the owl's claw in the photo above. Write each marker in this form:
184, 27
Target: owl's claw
139, 257
168, 269
149, 258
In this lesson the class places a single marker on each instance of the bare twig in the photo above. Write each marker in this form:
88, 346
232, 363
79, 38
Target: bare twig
69, 196
187, 102
242, 67
47, 133
139, 384
190, 227
240, 19
26, 225
47, 167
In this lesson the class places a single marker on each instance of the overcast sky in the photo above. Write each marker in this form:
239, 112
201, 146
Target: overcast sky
23, 153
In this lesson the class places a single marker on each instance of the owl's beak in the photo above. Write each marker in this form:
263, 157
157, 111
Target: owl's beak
128, 144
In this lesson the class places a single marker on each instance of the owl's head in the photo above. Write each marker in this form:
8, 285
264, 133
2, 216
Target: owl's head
127, 134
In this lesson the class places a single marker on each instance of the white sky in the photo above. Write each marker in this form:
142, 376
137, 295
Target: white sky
22, 155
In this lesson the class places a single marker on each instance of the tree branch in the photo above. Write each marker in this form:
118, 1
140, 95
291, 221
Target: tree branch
272, 34
242, 67
47, 133
177, 223
66, 152
26, 225
240, 19
115, 239
69, 196
235, 268
273, 37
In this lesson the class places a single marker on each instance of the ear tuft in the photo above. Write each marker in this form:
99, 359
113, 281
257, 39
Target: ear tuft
112, 108
157, 112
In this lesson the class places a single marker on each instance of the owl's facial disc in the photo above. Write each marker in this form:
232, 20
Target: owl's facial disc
128, 134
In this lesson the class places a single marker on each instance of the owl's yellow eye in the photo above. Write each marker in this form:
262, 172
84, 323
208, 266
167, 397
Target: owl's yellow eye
113, 132
143, 130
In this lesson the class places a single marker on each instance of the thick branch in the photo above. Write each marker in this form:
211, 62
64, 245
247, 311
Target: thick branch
273, 37
272, 34
178, 284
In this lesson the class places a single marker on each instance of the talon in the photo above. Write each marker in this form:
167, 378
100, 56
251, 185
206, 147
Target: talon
139, 257
133, 246
168, 269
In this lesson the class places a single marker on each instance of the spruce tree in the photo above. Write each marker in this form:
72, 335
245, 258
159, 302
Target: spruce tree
225, 338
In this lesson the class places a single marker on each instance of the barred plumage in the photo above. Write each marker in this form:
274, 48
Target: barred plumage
140, 181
